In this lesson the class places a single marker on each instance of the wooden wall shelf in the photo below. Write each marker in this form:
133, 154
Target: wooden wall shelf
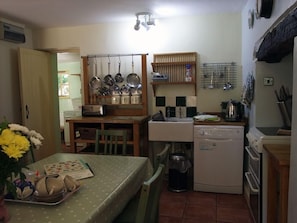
116, 109
174, 66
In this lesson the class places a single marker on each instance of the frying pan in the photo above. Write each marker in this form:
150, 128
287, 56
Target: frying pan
133, 79
108, 79
95, 81
118, 77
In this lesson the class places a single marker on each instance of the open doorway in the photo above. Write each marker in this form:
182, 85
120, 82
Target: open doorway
70, 92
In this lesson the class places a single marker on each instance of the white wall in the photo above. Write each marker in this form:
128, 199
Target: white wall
251, 37
216, 38
9, 85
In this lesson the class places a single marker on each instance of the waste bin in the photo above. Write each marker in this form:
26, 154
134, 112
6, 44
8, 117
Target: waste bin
178, 168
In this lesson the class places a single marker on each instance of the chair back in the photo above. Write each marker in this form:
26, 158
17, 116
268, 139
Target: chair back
111, 140
148, 206
162, 157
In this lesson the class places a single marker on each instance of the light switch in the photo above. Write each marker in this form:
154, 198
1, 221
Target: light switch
268, 81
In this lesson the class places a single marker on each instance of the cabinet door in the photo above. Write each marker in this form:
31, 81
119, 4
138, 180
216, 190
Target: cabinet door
39, 97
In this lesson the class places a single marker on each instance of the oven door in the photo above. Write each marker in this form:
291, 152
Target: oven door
253, 196
254, 163
253, 183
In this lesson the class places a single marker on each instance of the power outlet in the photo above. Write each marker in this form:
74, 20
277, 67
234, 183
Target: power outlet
268, 81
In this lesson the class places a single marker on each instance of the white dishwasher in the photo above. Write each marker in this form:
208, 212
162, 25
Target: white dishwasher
218, 158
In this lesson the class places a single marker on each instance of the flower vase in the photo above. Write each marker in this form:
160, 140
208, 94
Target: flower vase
4, 217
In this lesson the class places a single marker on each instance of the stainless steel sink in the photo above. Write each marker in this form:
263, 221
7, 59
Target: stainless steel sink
171, 130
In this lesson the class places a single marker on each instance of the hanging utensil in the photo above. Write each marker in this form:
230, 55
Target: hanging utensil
229, 85
225, 85
133, 79
108, 79
95, 81
118, 77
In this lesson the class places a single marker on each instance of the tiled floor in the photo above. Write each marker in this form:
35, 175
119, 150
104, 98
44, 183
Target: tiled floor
202, 207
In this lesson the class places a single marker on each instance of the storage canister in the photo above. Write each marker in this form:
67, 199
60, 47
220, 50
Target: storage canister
125, 99
136, 99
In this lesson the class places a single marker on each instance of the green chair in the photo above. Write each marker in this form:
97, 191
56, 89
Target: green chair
162, 157
111, 140
145, 208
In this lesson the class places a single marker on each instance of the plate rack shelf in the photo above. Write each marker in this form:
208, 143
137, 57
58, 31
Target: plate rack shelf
173, 65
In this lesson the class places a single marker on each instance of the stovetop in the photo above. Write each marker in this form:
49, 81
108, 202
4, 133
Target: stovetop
269, 131
274, 131
257, 136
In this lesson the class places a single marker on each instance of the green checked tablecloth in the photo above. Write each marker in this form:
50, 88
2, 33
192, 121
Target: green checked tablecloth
99, 199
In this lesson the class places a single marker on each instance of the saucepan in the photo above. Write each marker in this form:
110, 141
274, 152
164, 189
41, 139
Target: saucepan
108, 79
95, 81
133, 80
118, 77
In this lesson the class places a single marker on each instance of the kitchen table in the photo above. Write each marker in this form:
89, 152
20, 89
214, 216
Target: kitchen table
99, 199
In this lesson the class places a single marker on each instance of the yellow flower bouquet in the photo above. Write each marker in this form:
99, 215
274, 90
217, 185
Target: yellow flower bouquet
15, 141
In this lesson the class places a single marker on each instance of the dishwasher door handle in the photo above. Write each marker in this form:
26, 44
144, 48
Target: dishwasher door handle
218, 140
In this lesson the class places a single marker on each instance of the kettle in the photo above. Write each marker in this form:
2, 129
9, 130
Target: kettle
233, 110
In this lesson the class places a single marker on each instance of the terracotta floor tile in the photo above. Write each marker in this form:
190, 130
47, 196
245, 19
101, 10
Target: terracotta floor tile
206, 199
190, 220
166, 219
200, 212
172, 209
231, 200
233, 215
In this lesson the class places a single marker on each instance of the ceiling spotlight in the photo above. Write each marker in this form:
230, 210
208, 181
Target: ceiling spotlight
147, 21
137, 25
150, 22
144, 24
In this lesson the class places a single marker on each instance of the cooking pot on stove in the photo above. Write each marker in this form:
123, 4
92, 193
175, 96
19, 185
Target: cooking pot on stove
232, 110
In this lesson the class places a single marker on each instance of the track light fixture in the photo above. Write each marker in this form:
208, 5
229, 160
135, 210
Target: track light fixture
147, 22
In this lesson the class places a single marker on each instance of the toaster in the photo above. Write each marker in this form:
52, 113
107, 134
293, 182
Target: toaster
93, 110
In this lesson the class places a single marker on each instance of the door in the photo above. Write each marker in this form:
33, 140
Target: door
39, 97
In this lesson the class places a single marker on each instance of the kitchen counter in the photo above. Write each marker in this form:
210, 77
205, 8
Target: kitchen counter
110, 119
278, 165
136, 125
243, 122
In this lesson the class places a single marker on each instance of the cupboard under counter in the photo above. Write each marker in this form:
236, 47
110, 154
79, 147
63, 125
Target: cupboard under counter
136, 125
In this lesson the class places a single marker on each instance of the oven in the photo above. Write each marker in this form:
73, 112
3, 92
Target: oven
253, 178
255, 182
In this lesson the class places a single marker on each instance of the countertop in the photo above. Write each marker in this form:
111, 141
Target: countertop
279, 153
222, 121
110, 119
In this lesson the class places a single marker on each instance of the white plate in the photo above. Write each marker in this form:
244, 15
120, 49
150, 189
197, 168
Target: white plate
32, 200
